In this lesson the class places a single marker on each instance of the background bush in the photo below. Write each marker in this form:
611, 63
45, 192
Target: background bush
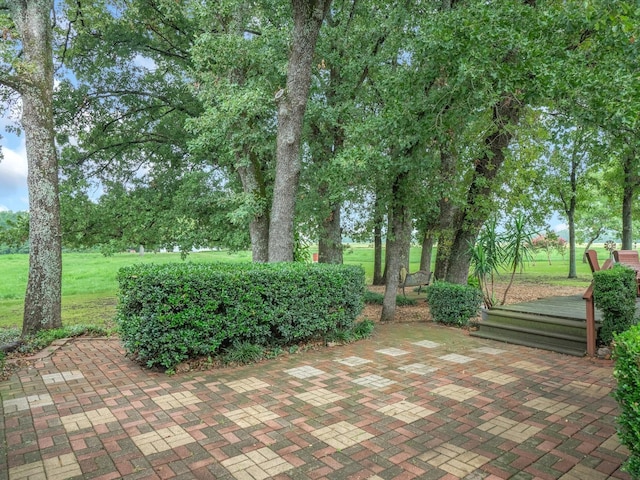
614, 293
453, 304
169, 313
627, 371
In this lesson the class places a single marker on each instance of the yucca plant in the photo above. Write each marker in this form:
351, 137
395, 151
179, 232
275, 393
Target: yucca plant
486, 258
517, 247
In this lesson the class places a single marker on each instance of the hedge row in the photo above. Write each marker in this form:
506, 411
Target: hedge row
169, 313
627, 371
614, 293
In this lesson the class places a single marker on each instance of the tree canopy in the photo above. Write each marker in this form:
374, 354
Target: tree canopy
236, 124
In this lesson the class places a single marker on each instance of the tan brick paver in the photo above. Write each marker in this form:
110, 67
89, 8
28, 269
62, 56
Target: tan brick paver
509, 429
257, 464
581, 472
341, 435
374, 381
61, 467
250, 416
587, 389
551, 406
406, 411
176, 400
496, 377
26, 403
456, 392
319, 396
247, 385
162, 440
454, 460
62, 377
353, 361
530, 366
88, 419
304, 372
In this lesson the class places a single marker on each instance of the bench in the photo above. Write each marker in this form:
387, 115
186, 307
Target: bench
416, 279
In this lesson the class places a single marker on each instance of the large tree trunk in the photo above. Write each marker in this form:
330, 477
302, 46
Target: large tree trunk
308, 16
570, 212
330, 241
253, 184
397, 246
478, 206
457, 266
444, 224
572, 245
425, 254
378, 218
42, 305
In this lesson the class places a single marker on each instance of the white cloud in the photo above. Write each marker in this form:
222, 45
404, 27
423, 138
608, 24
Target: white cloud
3, 208
560, 227
13, 179
13, 166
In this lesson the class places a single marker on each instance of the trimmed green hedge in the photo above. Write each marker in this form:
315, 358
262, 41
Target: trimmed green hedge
170, 313
626, 352
614, 293
453, 304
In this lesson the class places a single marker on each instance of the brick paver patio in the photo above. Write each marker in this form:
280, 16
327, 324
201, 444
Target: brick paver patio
415, 401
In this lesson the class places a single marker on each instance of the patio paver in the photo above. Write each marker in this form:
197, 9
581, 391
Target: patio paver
415, 401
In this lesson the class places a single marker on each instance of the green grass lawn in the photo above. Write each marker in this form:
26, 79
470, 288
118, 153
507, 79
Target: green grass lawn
89, 287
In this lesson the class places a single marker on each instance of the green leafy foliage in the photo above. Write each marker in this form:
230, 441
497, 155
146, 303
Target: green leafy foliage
170, 313
375, 298
486, 257
356, 332
452, 303
614, 293
243, 353
627, 371
14, 232
44, 338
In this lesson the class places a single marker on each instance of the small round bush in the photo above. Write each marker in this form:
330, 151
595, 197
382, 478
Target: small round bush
453, 304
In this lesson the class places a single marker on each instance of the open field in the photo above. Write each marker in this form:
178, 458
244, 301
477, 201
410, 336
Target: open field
89, 287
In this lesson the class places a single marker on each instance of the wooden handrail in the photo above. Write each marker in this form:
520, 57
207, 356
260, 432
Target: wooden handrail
591, 313
591, 321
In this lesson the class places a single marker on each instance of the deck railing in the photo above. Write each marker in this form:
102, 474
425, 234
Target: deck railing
591, 321
591, 313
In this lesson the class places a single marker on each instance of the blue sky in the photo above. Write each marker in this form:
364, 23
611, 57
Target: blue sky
13, 170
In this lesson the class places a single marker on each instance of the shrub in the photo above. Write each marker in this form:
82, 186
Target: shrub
453, 304
243, 353
358, 331
169, 313
374, 298
627, 371
614, 293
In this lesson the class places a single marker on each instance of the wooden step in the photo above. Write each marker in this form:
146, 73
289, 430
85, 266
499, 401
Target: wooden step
540, 331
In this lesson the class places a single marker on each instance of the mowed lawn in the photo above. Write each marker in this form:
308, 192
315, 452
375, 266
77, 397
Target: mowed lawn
89, 285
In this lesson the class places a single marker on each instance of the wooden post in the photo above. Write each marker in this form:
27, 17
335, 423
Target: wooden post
591, 321
591, 314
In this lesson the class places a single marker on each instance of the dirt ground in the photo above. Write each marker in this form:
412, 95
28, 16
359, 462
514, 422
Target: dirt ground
518, 292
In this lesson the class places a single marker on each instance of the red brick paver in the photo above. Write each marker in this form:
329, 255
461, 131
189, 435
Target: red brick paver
415, 401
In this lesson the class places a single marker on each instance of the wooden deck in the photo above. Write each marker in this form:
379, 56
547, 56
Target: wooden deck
554, 323
569, 308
